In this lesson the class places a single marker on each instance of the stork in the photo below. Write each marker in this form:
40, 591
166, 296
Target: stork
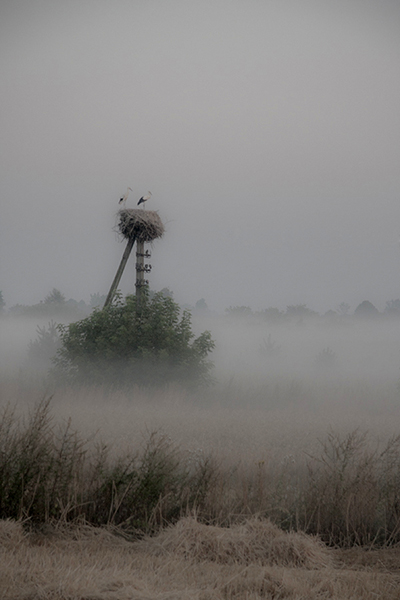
125, 197
144, 199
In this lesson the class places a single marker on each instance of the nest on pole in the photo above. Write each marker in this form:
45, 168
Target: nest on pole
144, 225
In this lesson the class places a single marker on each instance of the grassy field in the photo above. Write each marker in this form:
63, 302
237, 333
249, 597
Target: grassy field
91, 454
282, 483
170, 495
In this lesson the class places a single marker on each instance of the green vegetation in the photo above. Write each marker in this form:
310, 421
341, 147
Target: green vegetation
122, 345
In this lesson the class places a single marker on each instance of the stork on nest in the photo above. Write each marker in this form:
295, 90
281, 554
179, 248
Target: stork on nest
144, 225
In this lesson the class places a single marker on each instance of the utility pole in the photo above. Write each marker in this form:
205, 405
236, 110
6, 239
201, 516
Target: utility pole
140, 226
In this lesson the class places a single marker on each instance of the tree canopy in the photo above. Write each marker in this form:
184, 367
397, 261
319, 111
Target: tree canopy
121, 345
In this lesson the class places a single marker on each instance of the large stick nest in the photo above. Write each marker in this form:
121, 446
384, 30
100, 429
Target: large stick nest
145, 225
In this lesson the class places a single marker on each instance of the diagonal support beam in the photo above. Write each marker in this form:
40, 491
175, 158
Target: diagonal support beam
118, 275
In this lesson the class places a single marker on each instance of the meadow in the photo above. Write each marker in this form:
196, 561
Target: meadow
279, 481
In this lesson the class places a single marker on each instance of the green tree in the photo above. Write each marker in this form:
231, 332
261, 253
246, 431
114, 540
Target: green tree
55, 297
366, 310
97, 300
201, 305
120, 346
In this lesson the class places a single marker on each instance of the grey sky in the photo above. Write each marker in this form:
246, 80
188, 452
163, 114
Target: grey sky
267, 131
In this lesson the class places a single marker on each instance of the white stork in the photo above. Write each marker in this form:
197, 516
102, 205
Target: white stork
144, 199
125, 198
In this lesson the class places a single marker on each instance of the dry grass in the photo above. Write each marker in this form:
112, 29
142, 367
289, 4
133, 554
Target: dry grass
255, 541
287, 464
144, 225
258, 465
83, 563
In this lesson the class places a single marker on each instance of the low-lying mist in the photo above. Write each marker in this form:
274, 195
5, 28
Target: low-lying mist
252, 349
301, 420
344, 349
335, 369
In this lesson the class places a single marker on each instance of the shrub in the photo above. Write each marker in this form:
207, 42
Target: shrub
121, 345
352, 494
39, 468
44, 347
325, 360
49, 473
269, 347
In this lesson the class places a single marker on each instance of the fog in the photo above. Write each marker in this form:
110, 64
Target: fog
267, 132
254, 355
279, 389
350, 351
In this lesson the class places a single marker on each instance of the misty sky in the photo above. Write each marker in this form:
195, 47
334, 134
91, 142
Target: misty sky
268, 132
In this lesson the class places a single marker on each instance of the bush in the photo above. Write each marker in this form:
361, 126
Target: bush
121, 345
49, 473
352, 494
43, 349
326, 360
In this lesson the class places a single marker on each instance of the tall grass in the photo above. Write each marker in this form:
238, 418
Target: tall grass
353, 491
48, 472
347, 491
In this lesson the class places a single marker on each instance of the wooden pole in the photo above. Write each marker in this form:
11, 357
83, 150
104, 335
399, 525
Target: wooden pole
118, 275
139, 273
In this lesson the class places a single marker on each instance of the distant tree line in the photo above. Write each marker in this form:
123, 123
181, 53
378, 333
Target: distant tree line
55, 305
364, 310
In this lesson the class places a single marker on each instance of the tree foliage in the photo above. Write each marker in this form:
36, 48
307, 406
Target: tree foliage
366, 309
55, 297
121, 345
